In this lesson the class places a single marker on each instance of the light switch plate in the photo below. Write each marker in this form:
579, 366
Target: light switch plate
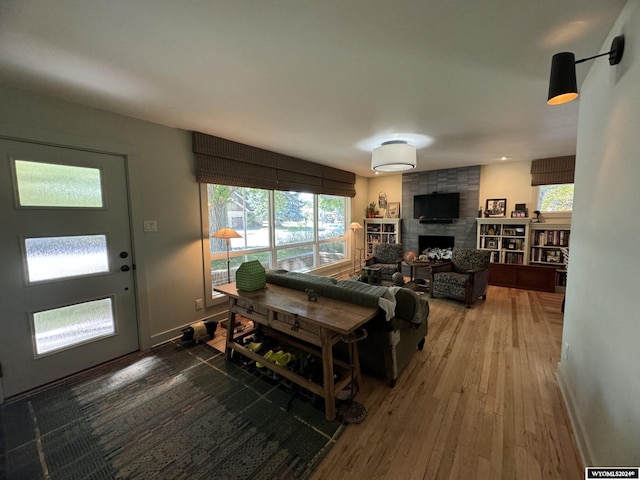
150, 226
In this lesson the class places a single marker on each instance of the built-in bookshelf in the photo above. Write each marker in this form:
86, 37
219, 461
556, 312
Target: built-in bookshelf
506, 239
550, 247
541, 249
381, 230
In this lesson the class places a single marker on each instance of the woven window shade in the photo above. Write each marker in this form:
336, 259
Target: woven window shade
553, 171
226, 162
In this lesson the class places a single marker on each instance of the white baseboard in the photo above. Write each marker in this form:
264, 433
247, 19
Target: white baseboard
576, 425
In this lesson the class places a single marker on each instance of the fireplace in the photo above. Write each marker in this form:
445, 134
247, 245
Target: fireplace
435, 241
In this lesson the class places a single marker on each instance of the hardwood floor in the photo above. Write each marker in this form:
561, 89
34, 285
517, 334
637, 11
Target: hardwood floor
480, 401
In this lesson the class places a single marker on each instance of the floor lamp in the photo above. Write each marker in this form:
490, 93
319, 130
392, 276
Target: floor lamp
354, 226
227, 234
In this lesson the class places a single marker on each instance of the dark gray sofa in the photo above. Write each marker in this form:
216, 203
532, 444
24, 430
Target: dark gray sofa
390, 344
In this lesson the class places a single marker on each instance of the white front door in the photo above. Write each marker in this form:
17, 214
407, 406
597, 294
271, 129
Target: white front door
66, 287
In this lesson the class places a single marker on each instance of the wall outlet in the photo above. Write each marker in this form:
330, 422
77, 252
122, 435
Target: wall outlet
199, 304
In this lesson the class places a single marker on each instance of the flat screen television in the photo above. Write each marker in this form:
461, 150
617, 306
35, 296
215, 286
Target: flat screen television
436, 207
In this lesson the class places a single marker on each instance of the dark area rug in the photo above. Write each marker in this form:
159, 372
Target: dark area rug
174, 412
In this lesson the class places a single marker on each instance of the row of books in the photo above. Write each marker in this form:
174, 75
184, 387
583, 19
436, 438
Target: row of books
544, 255
375, 238
514, 258
556, 238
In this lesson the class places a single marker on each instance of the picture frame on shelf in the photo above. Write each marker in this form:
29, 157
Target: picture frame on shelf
519, 214
491, 244
393, 209
496, 207
509, 232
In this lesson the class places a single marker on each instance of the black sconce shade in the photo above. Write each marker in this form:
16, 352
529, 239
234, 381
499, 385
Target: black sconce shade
562, 85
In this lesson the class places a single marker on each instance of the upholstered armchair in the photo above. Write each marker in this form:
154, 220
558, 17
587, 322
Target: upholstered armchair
387, 257
465, 278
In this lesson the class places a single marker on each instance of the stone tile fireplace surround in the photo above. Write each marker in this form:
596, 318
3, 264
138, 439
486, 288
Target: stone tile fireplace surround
466, 181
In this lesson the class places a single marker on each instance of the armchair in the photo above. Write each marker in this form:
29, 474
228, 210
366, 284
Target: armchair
387, 257
465, 278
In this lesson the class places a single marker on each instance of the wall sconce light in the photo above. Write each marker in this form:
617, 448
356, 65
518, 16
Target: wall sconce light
562, 85
393, 156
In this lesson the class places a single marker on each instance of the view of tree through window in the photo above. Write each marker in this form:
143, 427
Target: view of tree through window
291, 230
555, 198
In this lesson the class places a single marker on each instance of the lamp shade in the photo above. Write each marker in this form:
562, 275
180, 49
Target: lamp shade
393, 156
562, 85
355, 226
226, 233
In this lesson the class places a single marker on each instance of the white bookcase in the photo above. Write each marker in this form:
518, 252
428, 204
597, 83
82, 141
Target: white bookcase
381, 230
506, 238
517, 242
550, 247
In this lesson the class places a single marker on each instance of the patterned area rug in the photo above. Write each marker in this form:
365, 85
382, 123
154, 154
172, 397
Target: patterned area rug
175, 412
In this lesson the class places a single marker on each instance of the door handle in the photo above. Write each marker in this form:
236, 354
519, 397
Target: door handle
125, 268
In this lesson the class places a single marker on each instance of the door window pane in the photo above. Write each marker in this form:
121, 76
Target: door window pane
52, 185
67, 326
60, 257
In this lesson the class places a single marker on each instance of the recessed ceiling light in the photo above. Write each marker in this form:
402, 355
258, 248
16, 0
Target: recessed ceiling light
504, 158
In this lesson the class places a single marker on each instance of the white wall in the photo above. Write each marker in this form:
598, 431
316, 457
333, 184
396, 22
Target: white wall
599, 370
169, 273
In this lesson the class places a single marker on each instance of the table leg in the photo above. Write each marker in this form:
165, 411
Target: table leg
231, 328
327, 371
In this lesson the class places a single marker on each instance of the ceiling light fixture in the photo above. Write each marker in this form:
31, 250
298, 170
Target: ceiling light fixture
393, 156
563, 86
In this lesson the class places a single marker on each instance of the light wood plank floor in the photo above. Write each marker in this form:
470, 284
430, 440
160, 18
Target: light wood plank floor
480, 401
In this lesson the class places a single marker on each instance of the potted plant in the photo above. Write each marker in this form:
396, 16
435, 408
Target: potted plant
372, 210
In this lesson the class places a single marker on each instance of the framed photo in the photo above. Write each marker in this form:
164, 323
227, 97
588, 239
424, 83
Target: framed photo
496, 207
509, 232
491, 244
393, 210
519, 214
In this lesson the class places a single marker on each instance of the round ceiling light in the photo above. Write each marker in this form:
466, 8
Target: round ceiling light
393, 156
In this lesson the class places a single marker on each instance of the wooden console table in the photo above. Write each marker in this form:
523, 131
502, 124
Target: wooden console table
319, 324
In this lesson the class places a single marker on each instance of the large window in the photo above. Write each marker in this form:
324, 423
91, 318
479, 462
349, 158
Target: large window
555, 198
291, 230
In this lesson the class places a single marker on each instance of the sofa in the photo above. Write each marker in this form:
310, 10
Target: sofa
393, 337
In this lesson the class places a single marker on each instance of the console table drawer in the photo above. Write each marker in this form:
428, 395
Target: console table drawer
293, 322
243, 306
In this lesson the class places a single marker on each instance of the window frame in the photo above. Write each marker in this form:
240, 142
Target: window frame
212, 299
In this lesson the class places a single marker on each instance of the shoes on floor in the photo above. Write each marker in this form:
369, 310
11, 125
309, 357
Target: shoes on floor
286, 359
254, 346
266, 356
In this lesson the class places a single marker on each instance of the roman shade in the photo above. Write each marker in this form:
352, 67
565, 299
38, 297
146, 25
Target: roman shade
553, 171
226, 162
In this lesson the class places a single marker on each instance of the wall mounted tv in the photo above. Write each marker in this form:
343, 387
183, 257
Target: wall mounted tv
436, 207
